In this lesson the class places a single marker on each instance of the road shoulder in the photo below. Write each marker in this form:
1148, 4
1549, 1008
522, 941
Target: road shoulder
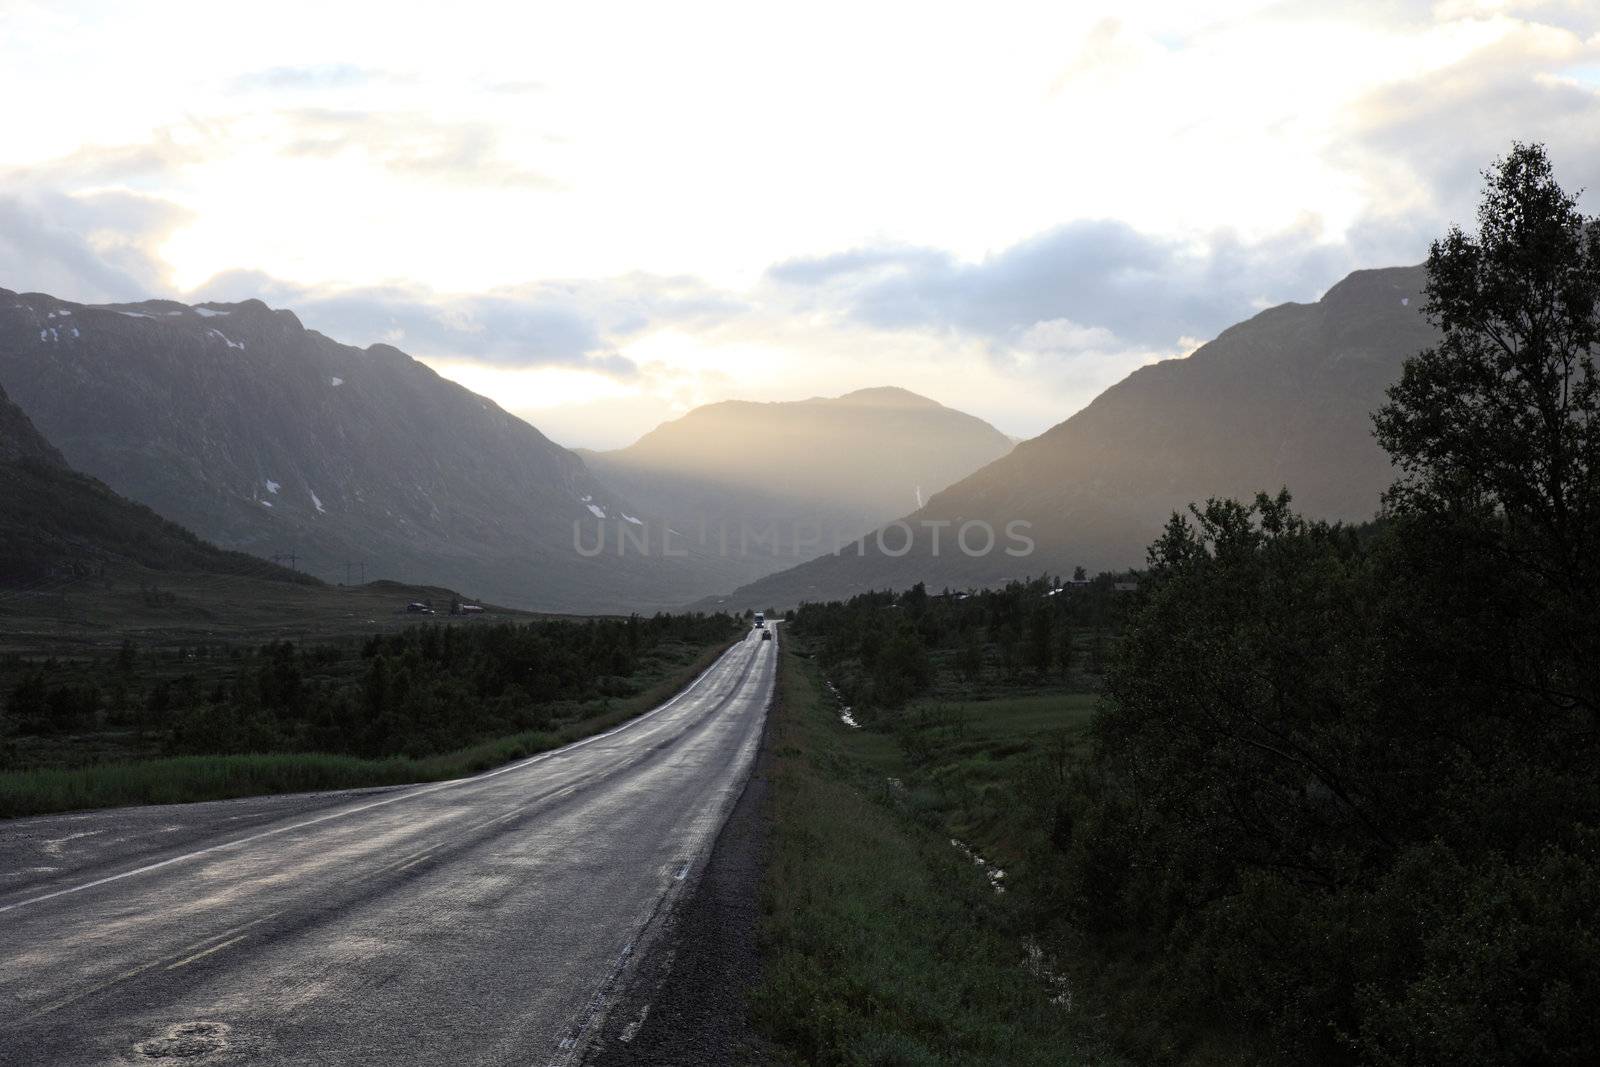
687, 1003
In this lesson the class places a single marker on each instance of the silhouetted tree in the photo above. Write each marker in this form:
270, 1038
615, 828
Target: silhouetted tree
1496, 430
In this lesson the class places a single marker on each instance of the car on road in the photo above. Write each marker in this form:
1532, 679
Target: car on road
766, 635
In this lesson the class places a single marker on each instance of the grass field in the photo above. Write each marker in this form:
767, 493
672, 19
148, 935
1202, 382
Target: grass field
884, 944
977, 765
186, 779
158, 608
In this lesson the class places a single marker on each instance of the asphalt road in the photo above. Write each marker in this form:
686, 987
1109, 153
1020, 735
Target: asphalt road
483, 921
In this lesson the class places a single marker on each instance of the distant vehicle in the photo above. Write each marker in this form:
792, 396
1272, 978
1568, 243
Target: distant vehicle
766, 635
761, 621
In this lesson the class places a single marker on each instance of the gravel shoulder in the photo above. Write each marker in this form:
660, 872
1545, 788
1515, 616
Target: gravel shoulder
687, 1002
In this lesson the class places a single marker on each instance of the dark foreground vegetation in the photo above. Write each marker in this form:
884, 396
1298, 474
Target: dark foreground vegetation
1341, 799
882, 943
430, 701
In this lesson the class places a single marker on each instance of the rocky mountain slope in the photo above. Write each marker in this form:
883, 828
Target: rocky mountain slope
260, 435
782, 482
58, 524
1282, 399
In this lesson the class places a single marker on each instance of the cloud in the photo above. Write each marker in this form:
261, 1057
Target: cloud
1579, 16
1108, 53
77, 226
1065, 337
1420, 145
1133, 289
518, 87
89, 247
411, 143
317, 76
101, 165
573, 324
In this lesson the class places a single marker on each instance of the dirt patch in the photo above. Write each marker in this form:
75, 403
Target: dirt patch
196, 1042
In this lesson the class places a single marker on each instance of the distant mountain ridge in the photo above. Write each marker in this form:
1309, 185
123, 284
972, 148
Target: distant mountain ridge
237, 422
822, 470
1282, 399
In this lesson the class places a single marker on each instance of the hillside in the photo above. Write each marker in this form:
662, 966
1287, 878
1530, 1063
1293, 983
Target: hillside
773, 475
81, 566
57, 522
1282, 399
238, 423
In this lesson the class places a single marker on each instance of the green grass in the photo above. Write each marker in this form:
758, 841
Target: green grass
975, 764
185, 779
165, 609
883, 945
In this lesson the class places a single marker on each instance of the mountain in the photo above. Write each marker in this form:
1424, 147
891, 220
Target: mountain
58, 523
81, 566
766, 478
239, 423
1283, 399
20, 442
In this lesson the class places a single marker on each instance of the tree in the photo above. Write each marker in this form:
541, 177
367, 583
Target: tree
1496, 430
969, 660
28, 706
1503, 412
1040, 637
1009, 641
915, 599
1064, 650
1382, 737
900, 670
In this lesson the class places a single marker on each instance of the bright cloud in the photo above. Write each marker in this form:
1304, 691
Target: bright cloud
599, 214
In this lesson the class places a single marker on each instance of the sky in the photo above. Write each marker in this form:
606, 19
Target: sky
601, 214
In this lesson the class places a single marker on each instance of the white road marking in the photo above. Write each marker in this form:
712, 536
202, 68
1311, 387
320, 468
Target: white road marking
57, 1005
207, 952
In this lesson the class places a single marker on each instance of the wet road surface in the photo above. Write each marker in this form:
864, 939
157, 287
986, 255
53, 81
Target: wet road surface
488, 920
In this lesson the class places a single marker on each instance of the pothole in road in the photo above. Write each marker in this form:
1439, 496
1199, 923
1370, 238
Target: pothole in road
193, 1042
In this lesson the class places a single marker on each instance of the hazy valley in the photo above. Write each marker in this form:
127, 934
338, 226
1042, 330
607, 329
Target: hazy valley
846, 536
